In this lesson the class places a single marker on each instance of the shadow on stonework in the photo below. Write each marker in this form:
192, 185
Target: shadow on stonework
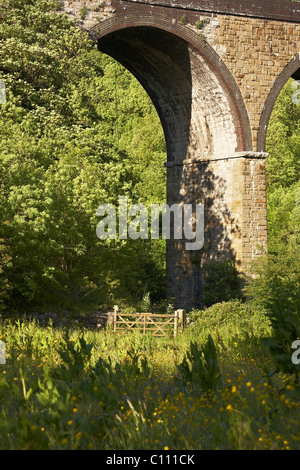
199, 278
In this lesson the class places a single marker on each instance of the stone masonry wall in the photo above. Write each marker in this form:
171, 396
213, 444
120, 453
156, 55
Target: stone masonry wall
234, 196
255, 51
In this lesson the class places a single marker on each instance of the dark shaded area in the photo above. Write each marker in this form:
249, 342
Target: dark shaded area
161, 63
296, 75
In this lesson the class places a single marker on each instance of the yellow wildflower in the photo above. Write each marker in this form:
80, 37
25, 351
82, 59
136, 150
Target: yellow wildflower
290, 387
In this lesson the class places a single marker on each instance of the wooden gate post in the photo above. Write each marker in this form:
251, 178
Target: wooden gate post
181, 318
175, 322
116, 308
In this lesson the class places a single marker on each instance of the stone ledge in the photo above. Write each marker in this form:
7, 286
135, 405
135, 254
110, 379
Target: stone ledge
280, 10
192, 161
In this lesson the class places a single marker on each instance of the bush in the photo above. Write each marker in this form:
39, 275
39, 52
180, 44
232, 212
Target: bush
145, 306
200, 366
284, 313
276, 289
222, 282
5, 265
244, 315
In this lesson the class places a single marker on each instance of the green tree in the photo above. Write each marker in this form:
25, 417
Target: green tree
283, 141
276, 283
68, 145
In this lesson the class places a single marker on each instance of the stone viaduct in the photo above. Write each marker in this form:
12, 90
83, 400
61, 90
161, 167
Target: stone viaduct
213, 69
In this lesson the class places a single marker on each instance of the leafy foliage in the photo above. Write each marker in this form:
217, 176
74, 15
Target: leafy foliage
283, 141
222, 282
285, 318
66, 148
200, 365
243, 315
276, 282
78, 389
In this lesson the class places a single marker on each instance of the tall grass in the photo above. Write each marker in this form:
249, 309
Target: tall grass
211, 387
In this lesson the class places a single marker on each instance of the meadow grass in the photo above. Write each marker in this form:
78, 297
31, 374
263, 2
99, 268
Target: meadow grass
211, 387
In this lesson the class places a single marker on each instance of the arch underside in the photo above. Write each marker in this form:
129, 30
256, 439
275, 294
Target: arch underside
296, 75
200, 113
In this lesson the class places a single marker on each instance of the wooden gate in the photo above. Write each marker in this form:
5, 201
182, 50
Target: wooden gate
156, 324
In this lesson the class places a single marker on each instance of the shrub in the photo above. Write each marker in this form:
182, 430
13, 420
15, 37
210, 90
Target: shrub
200, 365
83, 12
222, 282
146, 303
5, 265
234, 313
284, 313
276, 289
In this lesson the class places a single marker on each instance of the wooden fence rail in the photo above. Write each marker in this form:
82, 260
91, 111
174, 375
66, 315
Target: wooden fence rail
157, 324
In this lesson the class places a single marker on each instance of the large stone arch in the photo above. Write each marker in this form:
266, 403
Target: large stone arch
198, 101
292, 69
208, 137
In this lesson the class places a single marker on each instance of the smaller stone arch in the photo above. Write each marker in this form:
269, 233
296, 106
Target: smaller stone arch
292, 69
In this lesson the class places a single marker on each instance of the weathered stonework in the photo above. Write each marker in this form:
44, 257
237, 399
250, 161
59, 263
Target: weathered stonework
234, 195
88, 13
213, 69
